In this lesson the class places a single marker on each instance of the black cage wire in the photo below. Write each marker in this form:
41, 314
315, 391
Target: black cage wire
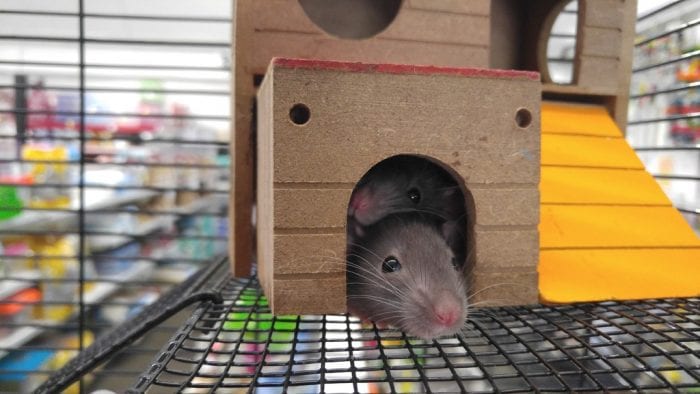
114, 129
229, 342
589, 347
234, 344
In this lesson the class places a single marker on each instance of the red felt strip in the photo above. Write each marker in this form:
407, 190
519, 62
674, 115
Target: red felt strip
403, 69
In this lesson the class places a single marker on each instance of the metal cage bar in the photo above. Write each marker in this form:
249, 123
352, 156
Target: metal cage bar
585, 347
87, 104
664, 89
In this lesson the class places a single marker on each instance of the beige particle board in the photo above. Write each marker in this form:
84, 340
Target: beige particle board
325, 209
603, 42
506, 288
598, 72
317, 294
361, 114
289, 44
502, 248
410, 24
445, 33
473, 7
604, 13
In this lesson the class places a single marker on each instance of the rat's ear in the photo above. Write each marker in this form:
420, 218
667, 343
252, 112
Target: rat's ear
449, 191
355, 229
359, 231
452, 233
449, 229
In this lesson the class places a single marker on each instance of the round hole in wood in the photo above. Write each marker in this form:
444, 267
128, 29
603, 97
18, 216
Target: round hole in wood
299, 114
395, 177
557, 47
351, 19
523, 118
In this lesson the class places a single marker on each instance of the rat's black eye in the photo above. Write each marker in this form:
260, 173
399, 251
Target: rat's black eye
454, 264
391, 264
413, 195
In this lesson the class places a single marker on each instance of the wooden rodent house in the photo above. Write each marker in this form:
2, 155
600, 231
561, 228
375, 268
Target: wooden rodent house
472, 124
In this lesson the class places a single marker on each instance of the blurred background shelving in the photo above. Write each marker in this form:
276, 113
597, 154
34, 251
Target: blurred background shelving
108, 201
664, 111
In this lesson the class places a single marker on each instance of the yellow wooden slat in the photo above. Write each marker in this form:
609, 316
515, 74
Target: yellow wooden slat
593, 275
572, 185
577, 226
570, 150
577, 119
624, 250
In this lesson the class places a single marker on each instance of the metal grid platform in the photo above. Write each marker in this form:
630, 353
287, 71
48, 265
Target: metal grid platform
238, 346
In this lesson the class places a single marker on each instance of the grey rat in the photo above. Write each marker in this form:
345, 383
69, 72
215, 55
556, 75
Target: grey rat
406, 183
403, 273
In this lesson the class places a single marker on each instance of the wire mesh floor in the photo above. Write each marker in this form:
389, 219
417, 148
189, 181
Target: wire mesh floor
238, 346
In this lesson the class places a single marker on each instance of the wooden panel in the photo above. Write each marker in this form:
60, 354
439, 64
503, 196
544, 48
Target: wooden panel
571, 150
300, 45
505, 288
506, 206
474, 7
409, 25
309, 253
478, 139
577, 119
311, 208
439, 27
563, 226
404, 42
326, 208
619, 105
593, 275
599, 186
598, 71
505, 249
265, 15
264, 198
362, 114
241, 195
578, 92
603, 13
507, 23
309, 295
599, 41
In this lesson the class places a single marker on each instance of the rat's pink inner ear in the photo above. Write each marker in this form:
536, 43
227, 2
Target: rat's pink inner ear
360, 200
449, 192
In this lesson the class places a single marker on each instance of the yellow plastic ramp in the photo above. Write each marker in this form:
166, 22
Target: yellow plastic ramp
607, 230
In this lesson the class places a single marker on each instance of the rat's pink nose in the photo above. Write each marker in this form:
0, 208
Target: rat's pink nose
447, 311
446, 317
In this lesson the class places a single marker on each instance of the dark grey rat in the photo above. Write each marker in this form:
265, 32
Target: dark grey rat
402, 273
406, 183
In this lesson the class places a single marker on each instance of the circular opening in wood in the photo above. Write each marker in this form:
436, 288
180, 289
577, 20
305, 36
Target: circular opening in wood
299, 114
351, 19
408, 205
420, 185
560, 43
523, 118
